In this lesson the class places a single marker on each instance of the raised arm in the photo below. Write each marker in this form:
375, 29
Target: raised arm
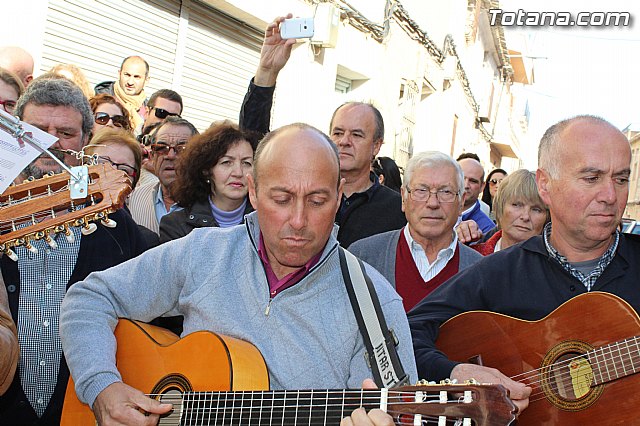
255, 113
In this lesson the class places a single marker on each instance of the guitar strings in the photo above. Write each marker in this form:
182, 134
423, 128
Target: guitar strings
560, 370
39, 216
612, 364
426, 420
331, 408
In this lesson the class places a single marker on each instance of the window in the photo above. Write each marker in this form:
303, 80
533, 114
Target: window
343, 84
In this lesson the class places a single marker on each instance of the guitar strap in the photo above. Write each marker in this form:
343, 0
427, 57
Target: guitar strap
378, 339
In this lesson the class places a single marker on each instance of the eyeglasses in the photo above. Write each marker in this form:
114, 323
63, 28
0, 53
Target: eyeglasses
163, 113
423, 194
494, 181
103, 118
129, 170
163, 148
8, 106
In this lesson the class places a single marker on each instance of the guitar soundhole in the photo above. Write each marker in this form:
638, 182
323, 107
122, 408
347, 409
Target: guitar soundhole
169, 390
567, 377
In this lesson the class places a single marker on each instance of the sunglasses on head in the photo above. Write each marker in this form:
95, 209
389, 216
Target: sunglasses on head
163, 113
103, 118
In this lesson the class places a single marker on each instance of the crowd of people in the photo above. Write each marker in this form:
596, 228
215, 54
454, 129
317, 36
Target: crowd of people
238, 230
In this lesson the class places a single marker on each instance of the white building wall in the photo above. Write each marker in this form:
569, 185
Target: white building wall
305, 89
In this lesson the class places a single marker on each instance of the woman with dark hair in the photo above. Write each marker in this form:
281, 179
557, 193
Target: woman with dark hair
388, 172
494, 178
211, 181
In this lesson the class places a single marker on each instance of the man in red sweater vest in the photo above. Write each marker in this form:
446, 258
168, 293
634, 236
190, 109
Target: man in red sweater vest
424, 254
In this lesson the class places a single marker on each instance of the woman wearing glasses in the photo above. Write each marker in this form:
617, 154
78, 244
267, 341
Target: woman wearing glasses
211, 182
11, 89
119, 149
108, 112
520, 212
491, 186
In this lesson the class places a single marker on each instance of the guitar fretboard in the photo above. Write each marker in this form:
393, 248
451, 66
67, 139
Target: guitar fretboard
615, 360
293, 407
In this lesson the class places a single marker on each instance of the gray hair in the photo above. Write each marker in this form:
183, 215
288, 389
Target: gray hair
57, 91
174, 121
433, 159
548, 150
301, 126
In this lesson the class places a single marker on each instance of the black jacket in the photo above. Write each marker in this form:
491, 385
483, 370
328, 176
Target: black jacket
377, 210
522, 281
105, 87
179, 223
104, 248
374, 211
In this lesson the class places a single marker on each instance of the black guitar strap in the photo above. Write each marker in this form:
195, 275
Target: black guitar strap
378, 339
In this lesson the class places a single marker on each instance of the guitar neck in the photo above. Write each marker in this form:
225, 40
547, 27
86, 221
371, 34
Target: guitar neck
286, 407
615, 360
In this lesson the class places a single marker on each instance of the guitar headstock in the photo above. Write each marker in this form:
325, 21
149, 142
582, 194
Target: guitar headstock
471, 404
41, 208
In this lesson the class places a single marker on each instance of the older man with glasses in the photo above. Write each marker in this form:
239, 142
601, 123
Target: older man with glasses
426, 252
150, 202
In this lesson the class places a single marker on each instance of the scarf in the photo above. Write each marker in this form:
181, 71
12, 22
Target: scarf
131, 103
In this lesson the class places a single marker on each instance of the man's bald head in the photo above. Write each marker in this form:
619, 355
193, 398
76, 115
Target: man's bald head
316, 140
18, 61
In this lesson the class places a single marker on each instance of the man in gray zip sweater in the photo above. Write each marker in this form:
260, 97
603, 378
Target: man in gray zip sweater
274, 281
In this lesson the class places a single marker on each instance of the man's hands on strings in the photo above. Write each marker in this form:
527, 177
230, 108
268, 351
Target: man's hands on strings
274, 54
120, 404
360, 417
518, 392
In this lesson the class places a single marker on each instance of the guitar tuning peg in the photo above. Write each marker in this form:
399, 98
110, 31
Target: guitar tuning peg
4, 249
50, 241
88, 228
69, 235
11, 254
109, 223
31, 248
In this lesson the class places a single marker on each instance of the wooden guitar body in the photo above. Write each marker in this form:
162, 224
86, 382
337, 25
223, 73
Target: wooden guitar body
594, 389
161, 363
217, 380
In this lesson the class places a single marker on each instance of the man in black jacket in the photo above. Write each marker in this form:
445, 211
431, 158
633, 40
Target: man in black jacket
583, 176
367, 207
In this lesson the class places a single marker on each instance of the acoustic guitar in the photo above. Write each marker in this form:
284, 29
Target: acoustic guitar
39, 209
218, 380
580, 360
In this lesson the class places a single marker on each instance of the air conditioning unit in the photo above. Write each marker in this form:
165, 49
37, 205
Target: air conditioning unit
326, 23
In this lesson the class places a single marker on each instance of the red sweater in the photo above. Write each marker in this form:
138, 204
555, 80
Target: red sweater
409, 282
489, 246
